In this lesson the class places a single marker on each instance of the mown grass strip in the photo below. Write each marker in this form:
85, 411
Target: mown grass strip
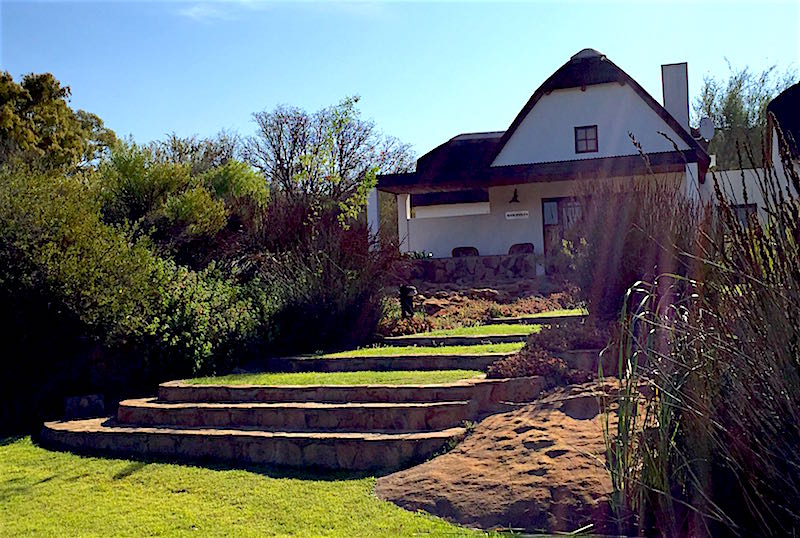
485, 330
562, 312
44, 493
379, 351
412, 377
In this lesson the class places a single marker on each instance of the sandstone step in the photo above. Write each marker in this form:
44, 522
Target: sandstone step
313, 363
328, 450
483, 391
294, 417
546, 320
415, 340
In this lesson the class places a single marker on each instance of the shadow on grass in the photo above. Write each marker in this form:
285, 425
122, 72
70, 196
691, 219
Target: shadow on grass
11, 439
138, 462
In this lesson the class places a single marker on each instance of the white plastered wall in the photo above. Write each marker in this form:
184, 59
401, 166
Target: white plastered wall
492, 233
734, 183
403, 216
548, 131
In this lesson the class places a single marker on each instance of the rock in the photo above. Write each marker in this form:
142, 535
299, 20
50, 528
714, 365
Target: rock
432, 306
483, 293
470, 264
538, 468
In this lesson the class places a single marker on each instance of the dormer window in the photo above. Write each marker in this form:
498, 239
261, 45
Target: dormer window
586, 139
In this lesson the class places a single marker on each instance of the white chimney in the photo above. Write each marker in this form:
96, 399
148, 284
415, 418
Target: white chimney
675, 87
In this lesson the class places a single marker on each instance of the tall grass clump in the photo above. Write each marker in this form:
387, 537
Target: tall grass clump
621, 237
708, 429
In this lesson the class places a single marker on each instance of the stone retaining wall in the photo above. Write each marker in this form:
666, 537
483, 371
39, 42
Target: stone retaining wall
386, 363
482, 393
325, 450
473, 268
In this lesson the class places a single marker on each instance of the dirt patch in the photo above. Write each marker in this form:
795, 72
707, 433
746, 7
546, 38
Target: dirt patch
538, 468
448, 306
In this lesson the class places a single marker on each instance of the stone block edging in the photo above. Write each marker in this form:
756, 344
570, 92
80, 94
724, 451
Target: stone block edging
429, 341
484, 394
313, 363
329, 450
544, 320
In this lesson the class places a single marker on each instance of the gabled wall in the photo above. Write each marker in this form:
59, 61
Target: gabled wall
547, 132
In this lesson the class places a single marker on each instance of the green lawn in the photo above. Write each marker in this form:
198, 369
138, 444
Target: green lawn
561, 312
485, 330
44, 493
342, 378
430, 350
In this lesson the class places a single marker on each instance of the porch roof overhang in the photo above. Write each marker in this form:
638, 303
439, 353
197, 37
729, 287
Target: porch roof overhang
581, 169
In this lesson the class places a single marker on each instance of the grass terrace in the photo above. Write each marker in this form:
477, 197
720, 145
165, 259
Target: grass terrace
341, 378
485, 330
380, 351
45, 493
561, 312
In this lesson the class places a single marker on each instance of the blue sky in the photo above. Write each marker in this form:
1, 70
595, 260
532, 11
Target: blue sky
425, 71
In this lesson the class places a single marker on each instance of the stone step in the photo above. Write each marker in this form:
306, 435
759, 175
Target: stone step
327, 450
429, 341
544, 320
483, 391
311, 363
295, 417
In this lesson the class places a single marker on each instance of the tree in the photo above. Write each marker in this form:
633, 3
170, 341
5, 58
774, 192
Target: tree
324, 154
184, 193
738, 108
38, 127
201, 154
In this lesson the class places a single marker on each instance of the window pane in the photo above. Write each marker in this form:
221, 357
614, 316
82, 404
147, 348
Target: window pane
550, 210
586, 139
572, 213
743, 213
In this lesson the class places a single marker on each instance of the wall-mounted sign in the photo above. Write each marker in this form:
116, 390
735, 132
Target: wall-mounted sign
514, 215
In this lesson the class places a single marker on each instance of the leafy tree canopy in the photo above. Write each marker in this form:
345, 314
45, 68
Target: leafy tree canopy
38, 127
738, 107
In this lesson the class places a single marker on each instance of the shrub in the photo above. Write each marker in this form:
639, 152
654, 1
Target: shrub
393, 324
533, 362
97, 308
133, 186
195, 213
570, 336
244, 192
329, 281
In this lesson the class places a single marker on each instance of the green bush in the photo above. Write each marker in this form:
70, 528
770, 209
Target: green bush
133, 186
88, 287
196, 213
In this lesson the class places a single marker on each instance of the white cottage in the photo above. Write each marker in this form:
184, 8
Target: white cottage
512, 191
